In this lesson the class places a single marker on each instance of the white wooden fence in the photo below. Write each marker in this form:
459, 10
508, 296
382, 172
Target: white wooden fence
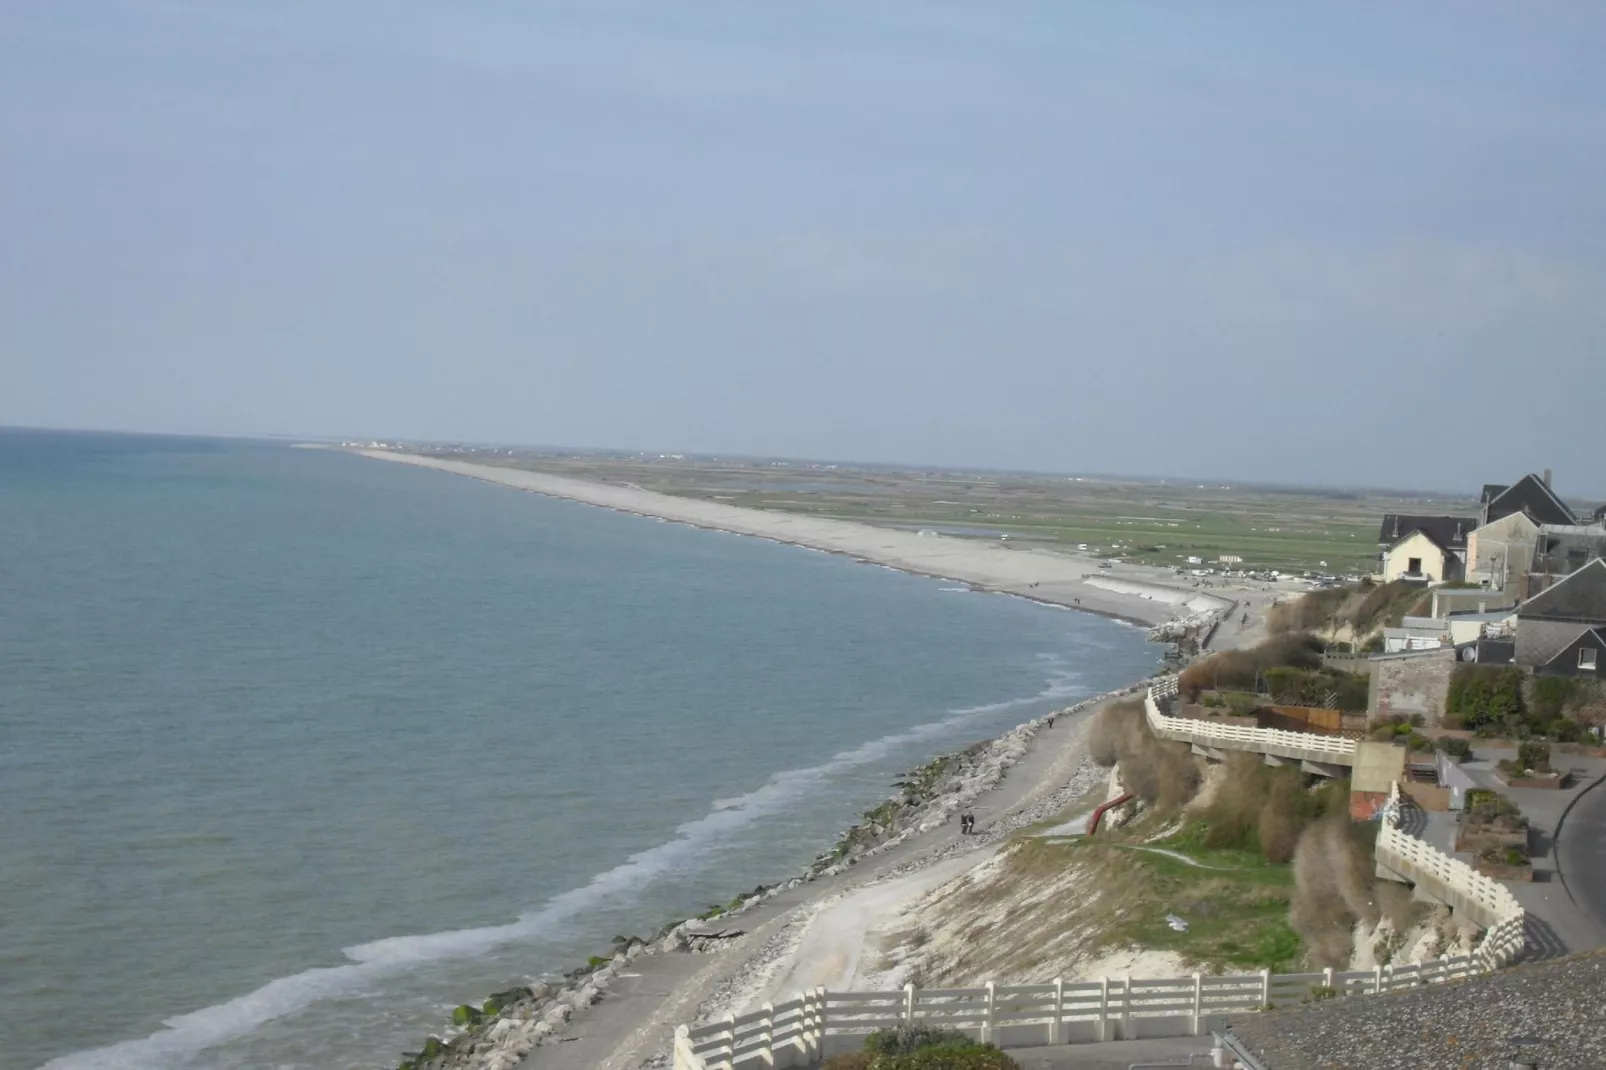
1478, 898
1334, 750
819, 1022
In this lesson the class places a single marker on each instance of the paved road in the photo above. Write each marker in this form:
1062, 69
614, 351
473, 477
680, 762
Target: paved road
1581, 856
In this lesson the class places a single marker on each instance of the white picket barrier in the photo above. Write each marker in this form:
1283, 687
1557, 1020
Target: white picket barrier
1307, 746
818, 1022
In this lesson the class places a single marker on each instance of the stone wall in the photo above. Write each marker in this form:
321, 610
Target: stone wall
1411, 683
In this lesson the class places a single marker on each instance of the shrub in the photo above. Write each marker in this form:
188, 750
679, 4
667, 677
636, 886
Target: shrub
1316, 687
1280, 825
1259, 807
1503, 856
1159, 772
1535, 756
969, 1056
1485, 695
853, 1060
1334, 888
1416, 741
1552, 695
1241, 670
907, 1038
1485, 807
1106, 732
1312, 612
1455, 747
1564, 730
1383, 733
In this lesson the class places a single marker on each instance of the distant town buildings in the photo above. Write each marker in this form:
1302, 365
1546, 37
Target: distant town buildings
1526, 581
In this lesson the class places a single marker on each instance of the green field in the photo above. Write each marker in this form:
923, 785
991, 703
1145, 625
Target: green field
1154, 522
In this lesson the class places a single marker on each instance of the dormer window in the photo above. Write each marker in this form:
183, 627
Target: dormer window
1586, 659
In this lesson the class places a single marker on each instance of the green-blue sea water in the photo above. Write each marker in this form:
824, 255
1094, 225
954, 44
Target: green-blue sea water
298, 749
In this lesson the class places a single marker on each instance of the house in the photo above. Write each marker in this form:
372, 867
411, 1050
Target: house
1416, 633
1424, 549
1501, 549
1562, 630
1451, 600
1584, 656
1562, 549
1530, 495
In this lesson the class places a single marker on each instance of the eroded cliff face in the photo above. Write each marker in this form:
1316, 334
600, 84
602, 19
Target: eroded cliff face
1429, 933
1034, 912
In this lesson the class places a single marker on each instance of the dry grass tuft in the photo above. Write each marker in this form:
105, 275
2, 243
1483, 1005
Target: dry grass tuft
1242, 670
1109, 729
1334, 888
1160, 772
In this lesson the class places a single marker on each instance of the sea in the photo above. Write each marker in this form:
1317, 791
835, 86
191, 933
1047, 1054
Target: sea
299, 749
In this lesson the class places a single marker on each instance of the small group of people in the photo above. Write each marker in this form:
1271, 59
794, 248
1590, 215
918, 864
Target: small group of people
967, 824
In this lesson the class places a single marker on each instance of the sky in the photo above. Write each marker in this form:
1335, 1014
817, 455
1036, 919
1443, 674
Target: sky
1338, 243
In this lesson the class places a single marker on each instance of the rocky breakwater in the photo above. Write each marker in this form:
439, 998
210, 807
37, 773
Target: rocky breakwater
498, 1033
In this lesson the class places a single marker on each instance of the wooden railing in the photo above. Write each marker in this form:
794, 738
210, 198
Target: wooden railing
819, 1022
1334, 750
1479, 898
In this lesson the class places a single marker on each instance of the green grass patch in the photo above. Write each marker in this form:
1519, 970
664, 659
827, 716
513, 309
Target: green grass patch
1250, 862
1236, 913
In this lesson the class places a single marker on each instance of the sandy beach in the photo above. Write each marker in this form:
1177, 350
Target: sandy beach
1133, 593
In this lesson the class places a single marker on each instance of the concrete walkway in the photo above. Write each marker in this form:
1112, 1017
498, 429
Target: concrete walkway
1566, 902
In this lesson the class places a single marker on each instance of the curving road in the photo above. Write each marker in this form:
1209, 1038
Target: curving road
1581, 857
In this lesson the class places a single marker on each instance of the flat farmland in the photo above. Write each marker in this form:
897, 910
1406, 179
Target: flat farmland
1149, 521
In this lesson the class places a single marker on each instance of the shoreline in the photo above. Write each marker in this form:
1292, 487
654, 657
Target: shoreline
1061, 580
620, 1014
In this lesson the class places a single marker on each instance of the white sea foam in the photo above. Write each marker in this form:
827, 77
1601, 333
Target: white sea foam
188, 1034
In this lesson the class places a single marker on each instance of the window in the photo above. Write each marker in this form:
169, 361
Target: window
1586, 659
1414, 565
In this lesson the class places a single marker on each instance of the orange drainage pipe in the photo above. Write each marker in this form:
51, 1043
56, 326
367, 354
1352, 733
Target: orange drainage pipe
1098, 813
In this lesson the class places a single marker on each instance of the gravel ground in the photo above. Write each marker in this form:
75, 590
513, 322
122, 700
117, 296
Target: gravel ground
1559, 1005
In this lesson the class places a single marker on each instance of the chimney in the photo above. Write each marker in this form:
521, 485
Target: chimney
1547, 478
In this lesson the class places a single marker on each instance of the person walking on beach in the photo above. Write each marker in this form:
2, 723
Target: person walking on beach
965, 821
1051, 720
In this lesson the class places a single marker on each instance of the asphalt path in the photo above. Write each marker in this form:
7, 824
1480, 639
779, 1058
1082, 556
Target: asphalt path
1581, 856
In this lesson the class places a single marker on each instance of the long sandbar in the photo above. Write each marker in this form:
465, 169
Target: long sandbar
1061, 579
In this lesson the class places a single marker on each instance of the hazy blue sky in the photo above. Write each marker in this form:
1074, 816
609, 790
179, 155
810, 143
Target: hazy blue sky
1343, 243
